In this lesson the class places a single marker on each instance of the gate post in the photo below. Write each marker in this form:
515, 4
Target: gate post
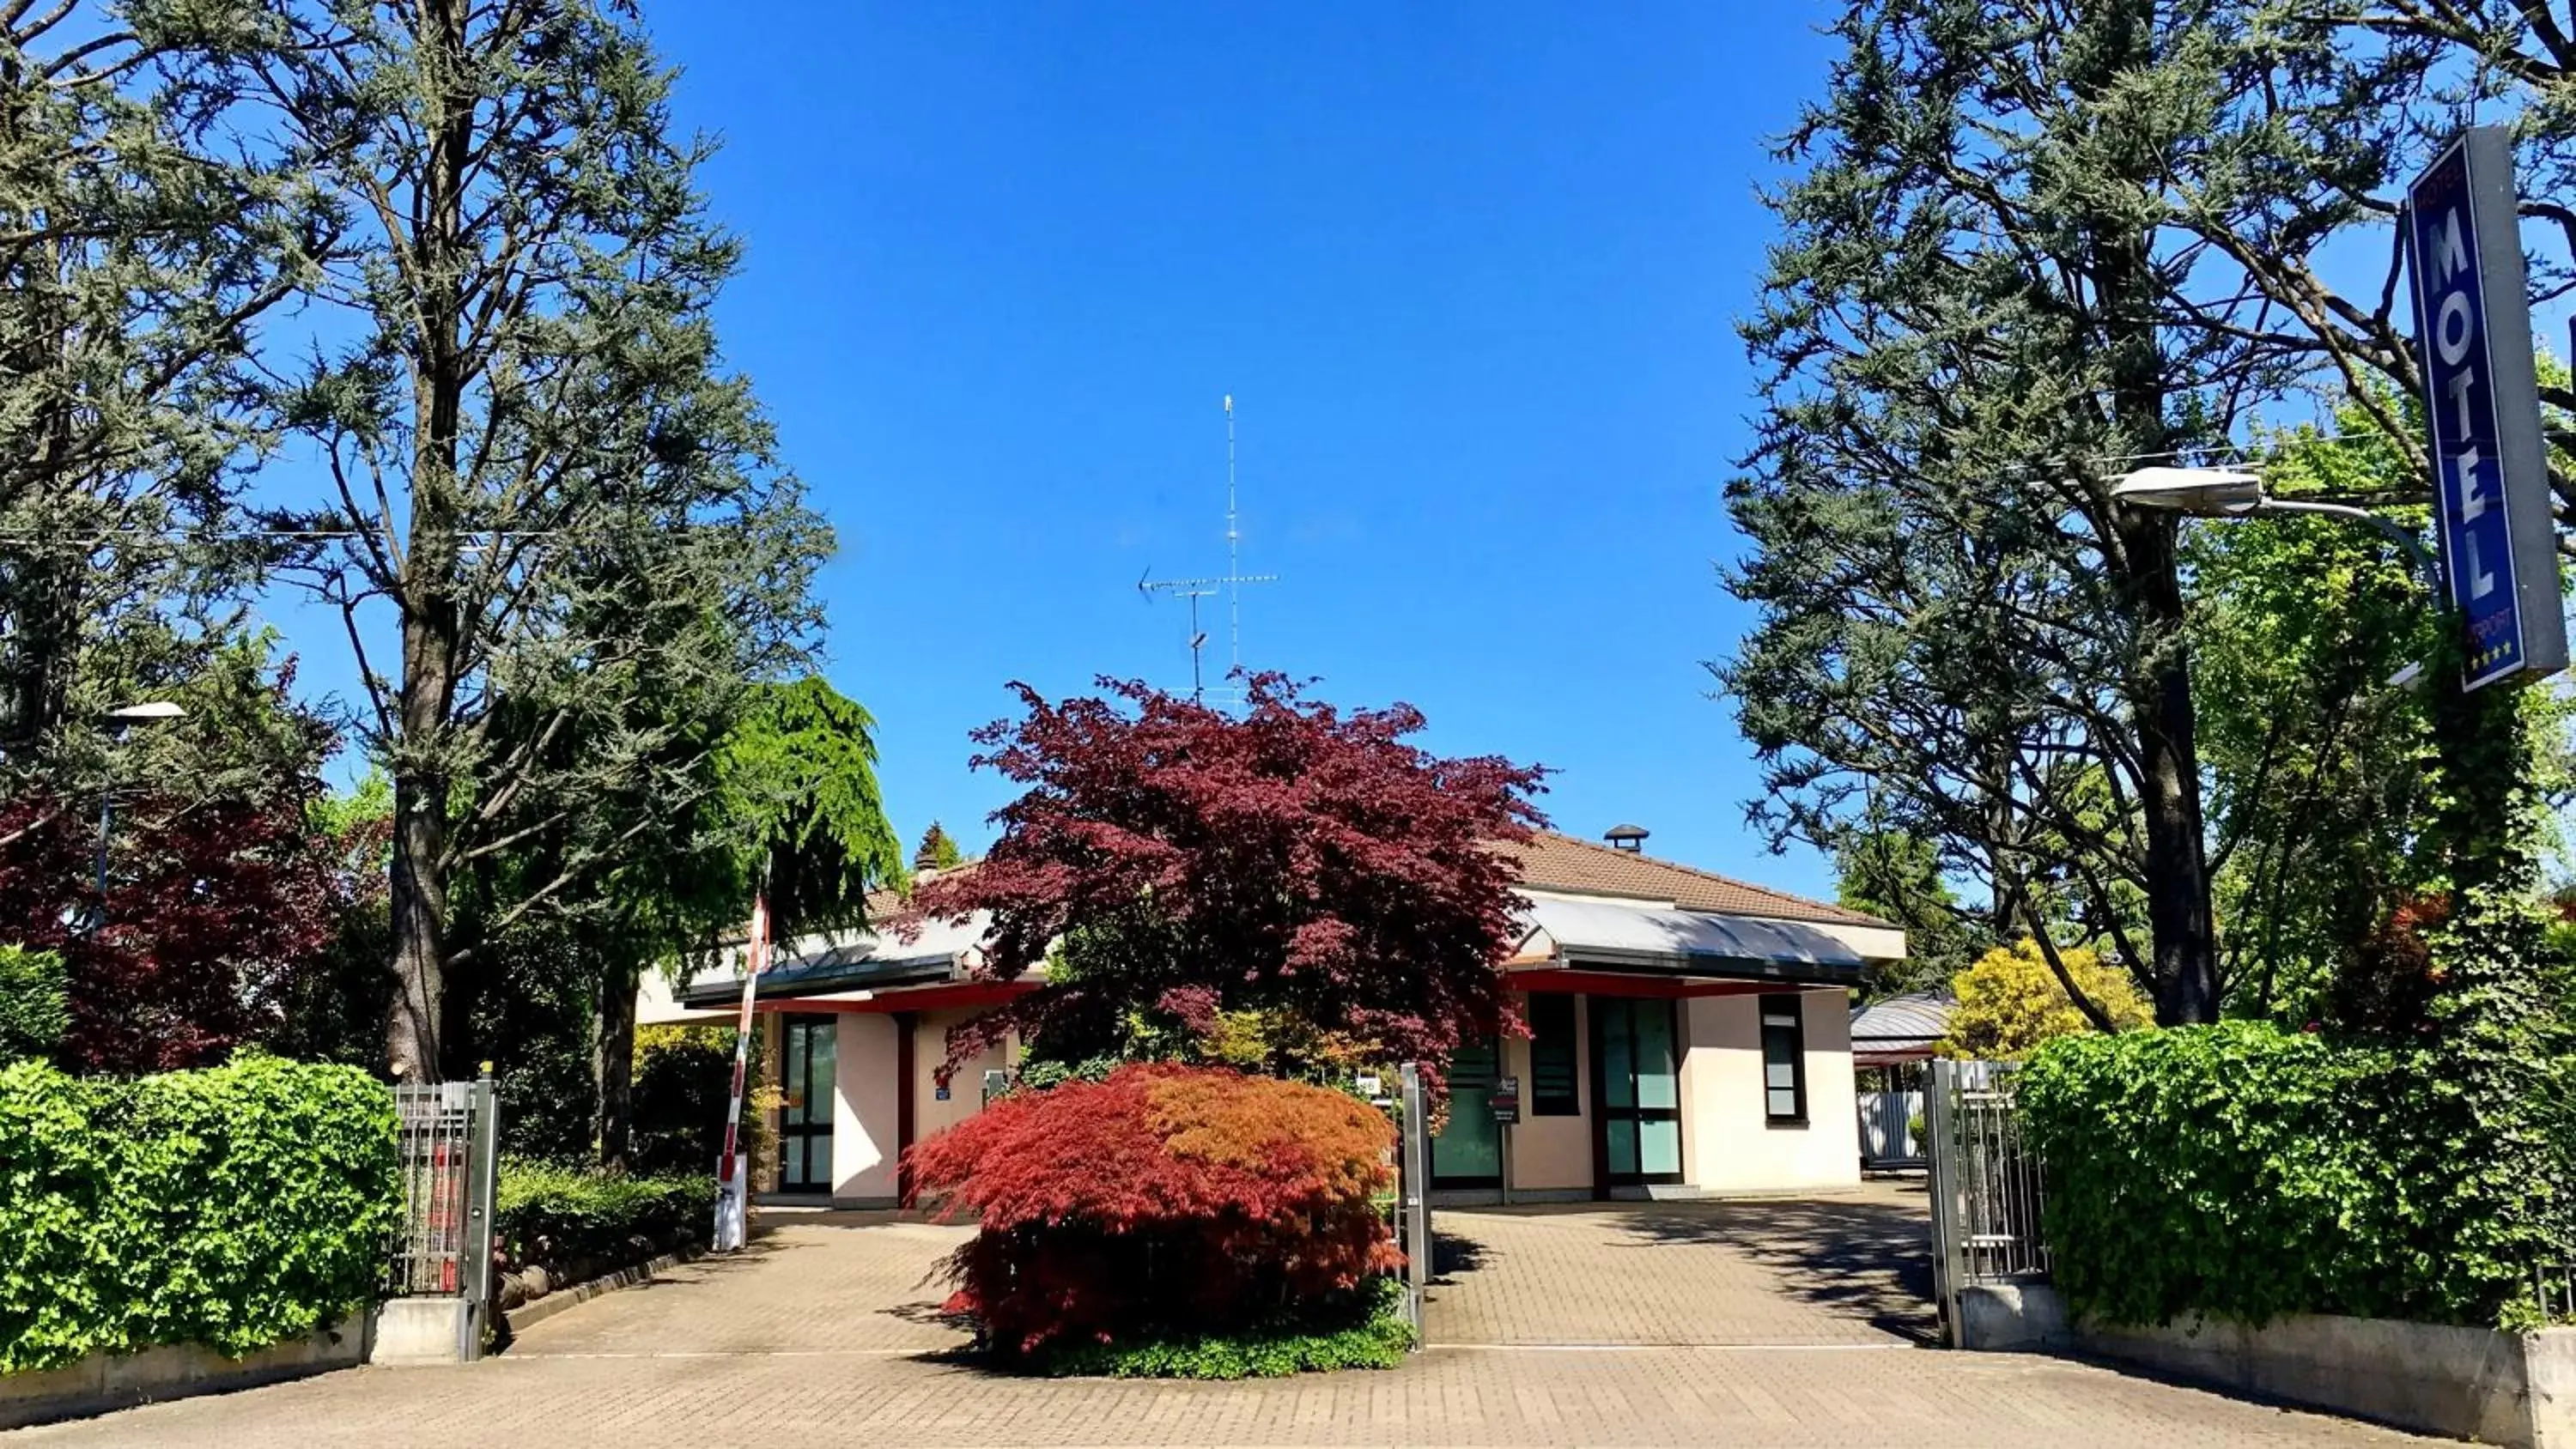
1940, 1122
482, 1181
1415, 1199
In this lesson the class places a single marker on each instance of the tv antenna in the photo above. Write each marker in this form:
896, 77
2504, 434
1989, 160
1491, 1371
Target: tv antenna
1230, 584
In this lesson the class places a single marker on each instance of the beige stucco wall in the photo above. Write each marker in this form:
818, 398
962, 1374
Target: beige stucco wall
1727, 1144
863, 1106
1551, 1153
965, 1090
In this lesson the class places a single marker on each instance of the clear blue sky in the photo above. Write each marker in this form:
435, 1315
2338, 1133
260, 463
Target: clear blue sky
1470, 273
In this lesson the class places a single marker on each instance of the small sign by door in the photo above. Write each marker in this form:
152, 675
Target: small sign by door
1506, 1100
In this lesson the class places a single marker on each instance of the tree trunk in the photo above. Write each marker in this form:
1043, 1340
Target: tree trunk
614, 1068
419, 914
2177, 863
433, 626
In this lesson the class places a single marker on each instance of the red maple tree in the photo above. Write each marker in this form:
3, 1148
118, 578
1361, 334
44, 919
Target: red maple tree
1294, 860
214, 902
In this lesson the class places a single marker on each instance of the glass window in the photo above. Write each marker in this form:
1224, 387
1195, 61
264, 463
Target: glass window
1658, 1081
1659, 1148
1618, 1054
1784, 1060
1469, 1151
1552, 1091
822, 1054
1622, 1137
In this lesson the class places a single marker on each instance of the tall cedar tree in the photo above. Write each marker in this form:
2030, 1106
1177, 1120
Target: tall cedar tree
1963, 636
543, 479
2300, 175
135, 261
1295, 860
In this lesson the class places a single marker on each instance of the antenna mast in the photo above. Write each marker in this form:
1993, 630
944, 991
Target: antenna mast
1233, 547
1232, 582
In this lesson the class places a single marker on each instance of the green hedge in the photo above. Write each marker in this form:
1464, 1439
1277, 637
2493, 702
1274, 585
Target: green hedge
1377, 1336
2235, 1169
33, 1011
563, 1216
236, 1207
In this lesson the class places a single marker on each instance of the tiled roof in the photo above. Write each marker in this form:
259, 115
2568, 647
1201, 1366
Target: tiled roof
1553, 862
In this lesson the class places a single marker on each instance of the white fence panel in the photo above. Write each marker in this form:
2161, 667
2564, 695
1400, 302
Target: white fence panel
1887, 1136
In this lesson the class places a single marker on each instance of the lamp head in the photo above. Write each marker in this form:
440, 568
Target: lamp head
2199, 492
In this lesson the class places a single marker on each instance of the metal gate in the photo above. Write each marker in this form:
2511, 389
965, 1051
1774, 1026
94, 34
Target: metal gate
1413, 1197
1888, 1137
1989, 1188
446, 1141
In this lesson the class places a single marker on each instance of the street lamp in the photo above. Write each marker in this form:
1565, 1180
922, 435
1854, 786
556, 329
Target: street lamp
2230, 493
150, 711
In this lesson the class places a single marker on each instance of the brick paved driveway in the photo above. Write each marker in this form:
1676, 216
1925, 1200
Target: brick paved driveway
1847, 1269
824, 1335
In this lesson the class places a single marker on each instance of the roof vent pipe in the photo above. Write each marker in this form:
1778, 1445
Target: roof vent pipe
1630, 838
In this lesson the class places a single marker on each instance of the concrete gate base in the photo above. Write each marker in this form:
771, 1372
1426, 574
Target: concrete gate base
427, 1330
2470, 1383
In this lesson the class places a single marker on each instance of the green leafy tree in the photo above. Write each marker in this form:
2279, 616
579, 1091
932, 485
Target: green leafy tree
772, 788
2317, 762
552, 516
796, 814
2011, 1000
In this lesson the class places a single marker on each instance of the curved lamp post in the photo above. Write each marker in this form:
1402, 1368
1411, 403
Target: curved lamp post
2230, 493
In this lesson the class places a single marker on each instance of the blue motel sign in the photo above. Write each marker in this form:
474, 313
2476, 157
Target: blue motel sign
2492, 506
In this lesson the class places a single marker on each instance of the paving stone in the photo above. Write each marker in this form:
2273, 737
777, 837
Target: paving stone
1706, 1323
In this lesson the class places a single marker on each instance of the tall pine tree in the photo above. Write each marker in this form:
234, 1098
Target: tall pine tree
547, 494
1968, 338
136, 258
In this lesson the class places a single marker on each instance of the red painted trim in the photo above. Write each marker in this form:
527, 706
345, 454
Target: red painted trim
906, 1025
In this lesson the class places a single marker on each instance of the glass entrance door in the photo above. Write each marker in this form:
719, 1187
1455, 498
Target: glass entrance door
1638, 1059
805, 1122
1469, 1151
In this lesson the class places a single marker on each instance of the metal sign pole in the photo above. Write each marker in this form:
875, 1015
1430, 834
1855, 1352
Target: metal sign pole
1416, 1201
733, 1194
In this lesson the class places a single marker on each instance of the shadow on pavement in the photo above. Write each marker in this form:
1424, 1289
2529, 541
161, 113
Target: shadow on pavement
1864, 1259
1453, 1253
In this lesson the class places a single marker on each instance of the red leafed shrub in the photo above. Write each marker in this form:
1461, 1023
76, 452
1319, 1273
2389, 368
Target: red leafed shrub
2385, 991
1163, 1200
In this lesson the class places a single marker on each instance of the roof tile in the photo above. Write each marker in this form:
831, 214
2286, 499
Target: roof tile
1553, 862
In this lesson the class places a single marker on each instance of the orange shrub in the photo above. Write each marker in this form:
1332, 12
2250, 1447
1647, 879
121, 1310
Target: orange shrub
1164, 1200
